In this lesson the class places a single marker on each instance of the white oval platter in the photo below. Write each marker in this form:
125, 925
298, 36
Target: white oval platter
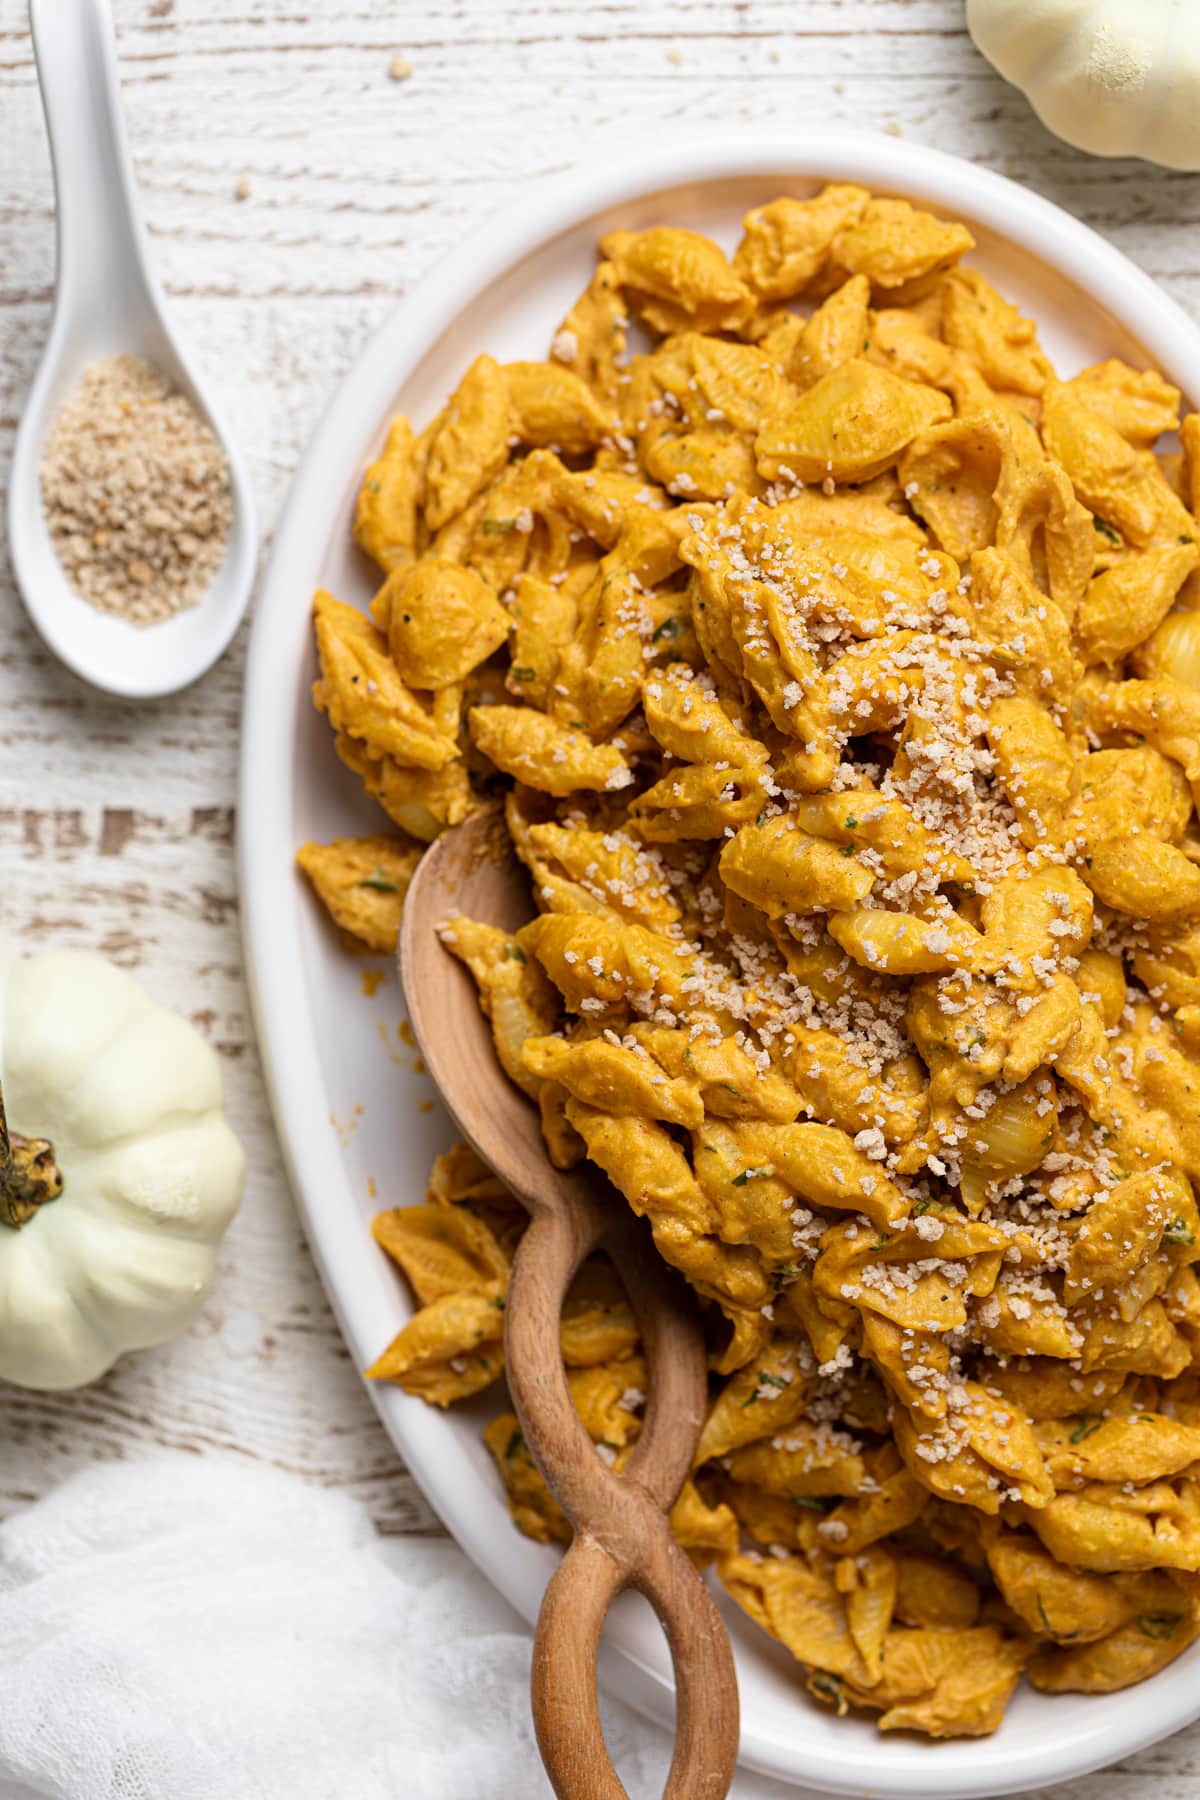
356, 1117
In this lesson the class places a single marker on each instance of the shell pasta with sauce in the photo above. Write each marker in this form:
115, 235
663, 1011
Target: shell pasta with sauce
839, 667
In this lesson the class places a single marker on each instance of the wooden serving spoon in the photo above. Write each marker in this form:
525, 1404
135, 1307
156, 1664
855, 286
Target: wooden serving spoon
622, 1538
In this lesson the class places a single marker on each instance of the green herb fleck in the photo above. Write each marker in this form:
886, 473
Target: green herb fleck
498, 527
765, 1380
670, 628
753, 1174
514, 952
516, 1442
1086, 1426
1159, 1625
1178, 1233
828, 1688
381, 881
522, 673
1107, 531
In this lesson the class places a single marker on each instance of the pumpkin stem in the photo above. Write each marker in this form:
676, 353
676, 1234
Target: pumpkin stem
29, 1174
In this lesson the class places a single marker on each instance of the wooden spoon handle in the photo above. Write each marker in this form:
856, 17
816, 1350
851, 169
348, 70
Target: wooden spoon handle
622, 1537
566, 1648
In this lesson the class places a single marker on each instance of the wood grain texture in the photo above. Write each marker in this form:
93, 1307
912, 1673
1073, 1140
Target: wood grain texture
116, 822
621, 1536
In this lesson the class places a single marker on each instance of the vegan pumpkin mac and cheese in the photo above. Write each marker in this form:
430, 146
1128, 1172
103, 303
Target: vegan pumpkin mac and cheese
839, 665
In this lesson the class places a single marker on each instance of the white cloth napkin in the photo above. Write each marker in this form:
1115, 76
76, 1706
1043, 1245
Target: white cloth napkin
203, 1629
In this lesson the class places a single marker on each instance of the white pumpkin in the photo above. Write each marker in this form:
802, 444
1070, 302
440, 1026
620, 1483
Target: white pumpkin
1118, 77
118, 1173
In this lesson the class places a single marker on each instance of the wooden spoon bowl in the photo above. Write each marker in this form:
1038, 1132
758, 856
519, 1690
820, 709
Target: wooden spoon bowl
621, 1535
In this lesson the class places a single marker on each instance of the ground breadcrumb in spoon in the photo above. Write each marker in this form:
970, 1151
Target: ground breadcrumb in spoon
136, 492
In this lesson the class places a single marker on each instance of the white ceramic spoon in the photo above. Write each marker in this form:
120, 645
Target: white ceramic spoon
108, 300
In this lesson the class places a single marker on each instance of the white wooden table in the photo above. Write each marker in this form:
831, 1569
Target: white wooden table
294, 190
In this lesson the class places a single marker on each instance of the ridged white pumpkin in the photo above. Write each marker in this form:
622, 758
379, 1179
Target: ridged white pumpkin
1117, 77
126, 1097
